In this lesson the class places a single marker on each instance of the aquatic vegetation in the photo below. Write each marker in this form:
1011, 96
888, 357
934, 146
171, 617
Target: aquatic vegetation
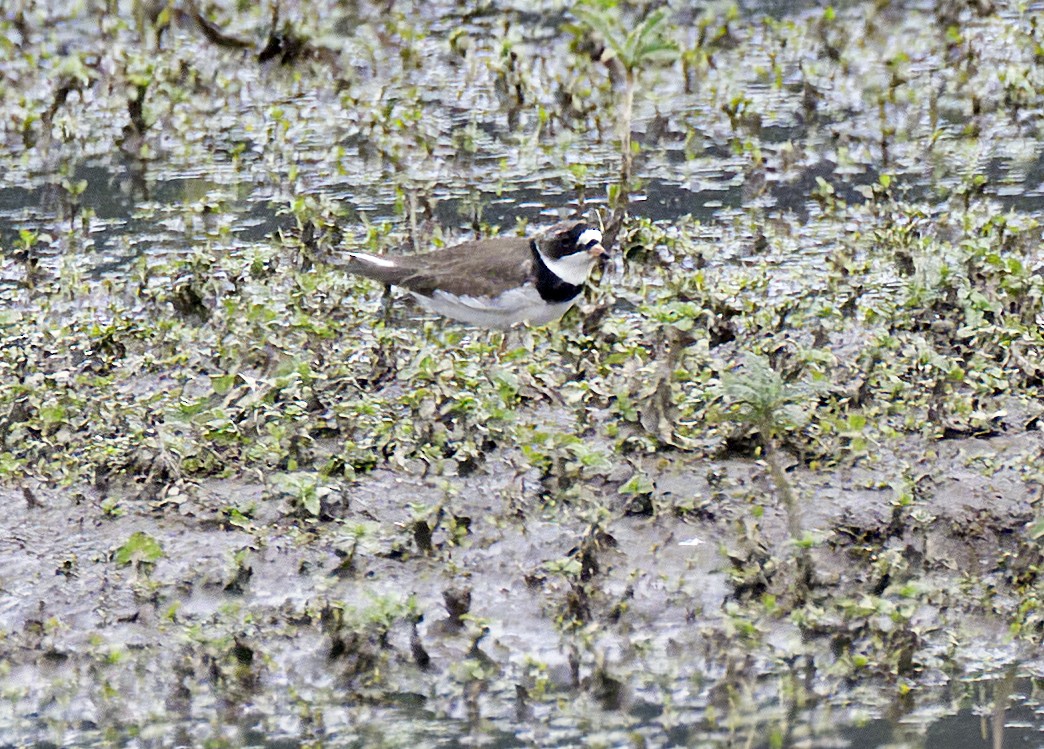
626, 53
757, 397
779, 464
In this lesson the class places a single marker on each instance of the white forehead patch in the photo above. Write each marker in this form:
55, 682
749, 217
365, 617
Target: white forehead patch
587, 236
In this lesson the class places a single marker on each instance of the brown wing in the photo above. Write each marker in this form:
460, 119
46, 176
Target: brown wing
483, 267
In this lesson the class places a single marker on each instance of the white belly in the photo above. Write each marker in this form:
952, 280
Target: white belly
510, 308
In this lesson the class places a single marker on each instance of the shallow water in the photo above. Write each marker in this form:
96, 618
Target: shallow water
689, 161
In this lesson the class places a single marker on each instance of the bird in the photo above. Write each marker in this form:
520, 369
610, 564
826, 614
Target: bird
498, 282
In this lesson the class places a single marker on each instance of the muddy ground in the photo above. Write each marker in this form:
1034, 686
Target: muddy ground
774, 482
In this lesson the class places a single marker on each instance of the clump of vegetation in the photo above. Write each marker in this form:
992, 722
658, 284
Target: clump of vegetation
626, 52
756, 397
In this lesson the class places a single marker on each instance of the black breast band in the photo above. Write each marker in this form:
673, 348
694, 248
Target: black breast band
551, 287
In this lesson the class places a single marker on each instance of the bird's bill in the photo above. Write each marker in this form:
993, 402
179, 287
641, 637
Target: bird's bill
597, 250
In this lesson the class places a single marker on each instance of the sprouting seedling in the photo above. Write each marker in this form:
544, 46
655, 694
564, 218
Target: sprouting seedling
756, 395
632, 47
579, 173
626, 51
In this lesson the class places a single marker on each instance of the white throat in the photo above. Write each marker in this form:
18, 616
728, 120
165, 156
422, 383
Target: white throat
573, 269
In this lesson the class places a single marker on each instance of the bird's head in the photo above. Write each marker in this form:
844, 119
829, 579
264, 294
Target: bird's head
569, 238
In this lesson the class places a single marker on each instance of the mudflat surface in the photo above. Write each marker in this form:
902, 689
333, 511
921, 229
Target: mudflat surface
775, 481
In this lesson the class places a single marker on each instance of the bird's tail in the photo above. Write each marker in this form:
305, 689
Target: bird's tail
377, 267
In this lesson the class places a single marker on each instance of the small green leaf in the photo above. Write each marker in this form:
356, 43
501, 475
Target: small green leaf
222, 383
140, 547
53, 413
238, 519
638, 485
310, 502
